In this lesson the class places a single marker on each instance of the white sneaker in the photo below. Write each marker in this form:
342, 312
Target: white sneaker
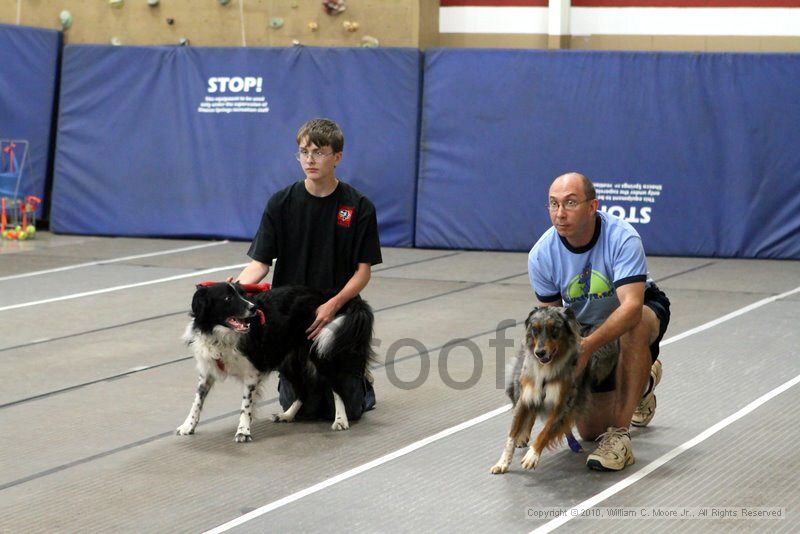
614, 452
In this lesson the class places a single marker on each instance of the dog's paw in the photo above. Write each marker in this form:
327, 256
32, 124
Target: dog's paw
530, 460
241, 437
281, 418
340, 424
184, 430
499, 468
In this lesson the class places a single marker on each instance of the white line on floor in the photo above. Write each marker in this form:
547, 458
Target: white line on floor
652, 466
485, 417
356, 470
729, 316
193, 274
112, 260
658, 462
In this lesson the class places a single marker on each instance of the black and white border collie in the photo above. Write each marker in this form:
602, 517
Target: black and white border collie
249, 337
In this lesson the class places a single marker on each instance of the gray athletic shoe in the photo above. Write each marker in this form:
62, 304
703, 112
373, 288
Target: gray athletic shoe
614, 452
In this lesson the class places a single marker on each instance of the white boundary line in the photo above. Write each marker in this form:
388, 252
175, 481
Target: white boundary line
736, 313
485, 417
655, 464
112, 260
120, 288
356, 470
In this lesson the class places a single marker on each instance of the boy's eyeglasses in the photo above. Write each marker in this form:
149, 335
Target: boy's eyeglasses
315, 155
569, 205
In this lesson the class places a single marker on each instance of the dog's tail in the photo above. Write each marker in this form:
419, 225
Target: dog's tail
351, 331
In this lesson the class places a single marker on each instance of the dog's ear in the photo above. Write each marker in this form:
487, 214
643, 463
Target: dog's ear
528, 320
570, 315
199, 301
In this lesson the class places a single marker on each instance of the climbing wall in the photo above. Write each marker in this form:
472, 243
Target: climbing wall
413, 23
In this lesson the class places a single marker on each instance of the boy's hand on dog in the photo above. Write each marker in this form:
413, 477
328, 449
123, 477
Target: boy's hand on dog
325, 314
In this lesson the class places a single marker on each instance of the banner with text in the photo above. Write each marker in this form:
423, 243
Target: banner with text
184, 141
698, 151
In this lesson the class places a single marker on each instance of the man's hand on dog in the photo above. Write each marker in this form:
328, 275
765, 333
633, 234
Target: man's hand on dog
325, 314
583, 358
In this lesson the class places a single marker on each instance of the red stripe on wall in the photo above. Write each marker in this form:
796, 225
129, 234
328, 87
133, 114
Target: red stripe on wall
628, 3
685, 3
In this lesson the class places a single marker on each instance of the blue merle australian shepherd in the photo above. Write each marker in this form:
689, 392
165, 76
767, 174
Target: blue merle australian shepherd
249, 337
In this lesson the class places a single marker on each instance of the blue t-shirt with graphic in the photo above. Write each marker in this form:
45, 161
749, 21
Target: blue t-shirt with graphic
585, 279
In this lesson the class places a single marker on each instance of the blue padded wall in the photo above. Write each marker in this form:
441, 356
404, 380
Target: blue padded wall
699, 151
183, 141
28, 74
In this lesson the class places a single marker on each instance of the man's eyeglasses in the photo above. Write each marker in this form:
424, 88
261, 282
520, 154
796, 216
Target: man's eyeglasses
315, 155
569, 204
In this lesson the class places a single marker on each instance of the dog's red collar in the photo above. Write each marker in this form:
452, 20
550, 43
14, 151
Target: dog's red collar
261, 318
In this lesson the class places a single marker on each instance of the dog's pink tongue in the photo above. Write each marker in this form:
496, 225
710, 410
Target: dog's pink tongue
236, 324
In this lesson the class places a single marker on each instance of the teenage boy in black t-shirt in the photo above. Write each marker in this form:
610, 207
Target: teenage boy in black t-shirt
324, 234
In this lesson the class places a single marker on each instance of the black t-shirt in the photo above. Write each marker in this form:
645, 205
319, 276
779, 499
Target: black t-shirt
318, 241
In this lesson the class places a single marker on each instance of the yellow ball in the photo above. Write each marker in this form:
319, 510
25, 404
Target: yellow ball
30, 230
22, 236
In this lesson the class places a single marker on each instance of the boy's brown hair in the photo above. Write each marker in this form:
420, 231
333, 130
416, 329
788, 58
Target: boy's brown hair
322, 132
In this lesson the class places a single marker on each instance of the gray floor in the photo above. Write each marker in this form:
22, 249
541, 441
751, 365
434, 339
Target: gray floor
94, 380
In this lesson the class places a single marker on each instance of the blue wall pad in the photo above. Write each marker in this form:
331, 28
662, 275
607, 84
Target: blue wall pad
699, 151
183, 141
28, 72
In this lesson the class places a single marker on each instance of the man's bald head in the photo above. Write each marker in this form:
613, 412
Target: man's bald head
575, 181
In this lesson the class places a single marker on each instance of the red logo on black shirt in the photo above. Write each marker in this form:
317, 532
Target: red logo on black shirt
344, 216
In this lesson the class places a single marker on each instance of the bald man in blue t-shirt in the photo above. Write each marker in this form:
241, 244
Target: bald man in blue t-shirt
594, 263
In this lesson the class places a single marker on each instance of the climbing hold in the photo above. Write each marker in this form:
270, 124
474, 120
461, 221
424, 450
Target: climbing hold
369, 41
333, 7
66, 19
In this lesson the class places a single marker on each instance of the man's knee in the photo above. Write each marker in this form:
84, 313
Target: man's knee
642, 335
